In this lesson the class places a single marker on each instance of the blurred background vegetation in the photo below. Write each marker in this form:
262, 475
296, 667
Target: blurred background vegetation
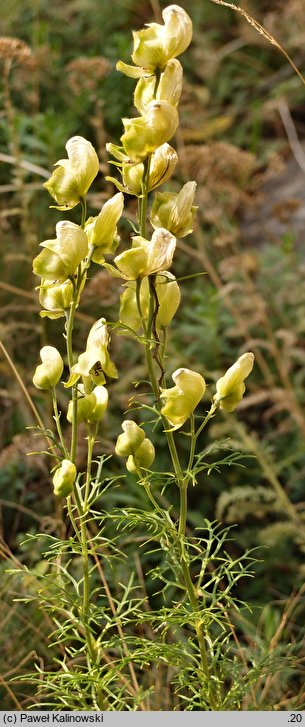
242, 139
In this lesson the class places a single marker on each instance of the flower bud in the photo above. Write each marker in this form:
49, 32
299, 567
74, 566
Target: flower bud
132, 177
101, 402
85, 407
129, 442
129, 314
169, 87
230, 388
169, 296
61, 257
73, 176
64, 478
102, 230
156, 44
144, 134
143, 457
95, 361
55, 298
181, 400
48, 373
162, 165
175, 211
146, 257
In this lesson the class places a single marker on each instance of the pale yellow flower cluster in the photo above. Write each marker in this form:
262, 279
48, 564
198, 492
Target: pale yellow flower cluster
133, 444
145, 160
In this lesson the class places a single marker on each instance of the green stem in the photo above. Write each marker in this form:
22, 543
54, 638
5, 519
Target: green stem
91, 442
193, 443
69, 333
144, 199
195, 435
209, 415
139, 306
154, 502
192, 593
72, 518
169, 435
58, 423
83, 203
86, 594
81, 534
182, 483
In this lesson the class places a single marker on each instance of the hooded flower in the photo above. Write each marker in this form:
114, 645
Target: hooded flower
55, 298
134, 445
181, 400
48, 373
102, 230
146, 257
131, 439
95, 361
230, 388
90, 407
156, 44
145, 133
143, 457
162, 164
168, 294
169, 87
61, 257
64, 478
73, 176
175, 211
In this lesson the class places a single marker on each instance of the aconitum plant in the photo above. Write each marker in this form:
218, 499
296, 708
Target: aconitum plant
103, 661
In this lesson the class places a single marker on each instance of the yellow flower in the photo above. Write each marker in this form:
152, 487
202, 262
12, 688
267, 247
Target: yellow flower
48, 373
146, 257
175, 211
134, 445
168, 294
162, 164
102, 230
72, 177
156, 44
90, 407
145, 133
143, 457
64, 478
61, 257
131, 439
101, 403
230, 388
181, 400
55, 298
169, 87
85, 406
95, 361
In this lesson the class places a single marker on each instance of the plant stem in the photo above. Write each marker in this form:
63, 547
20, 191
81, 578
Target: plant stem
69, 333
139, 306
91, 442
143, 201
182, 480
192, 593
58, 423
81, 534
83, 203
